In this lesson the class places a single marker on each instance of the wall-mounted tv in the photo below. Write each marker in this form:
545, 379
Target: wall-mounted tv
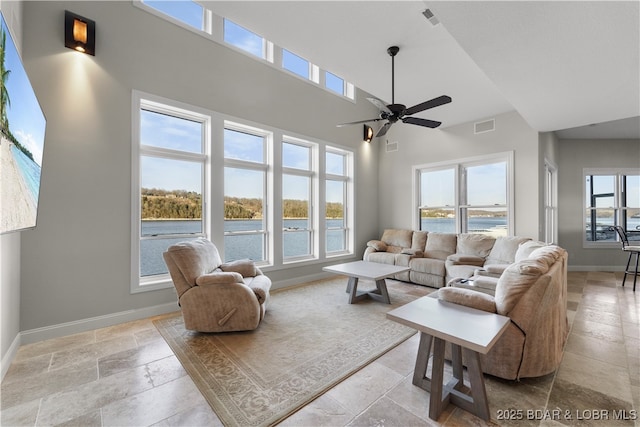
22, 129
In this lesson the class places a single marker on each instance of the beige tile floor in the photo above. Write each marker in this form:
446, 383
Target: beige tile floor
126, 375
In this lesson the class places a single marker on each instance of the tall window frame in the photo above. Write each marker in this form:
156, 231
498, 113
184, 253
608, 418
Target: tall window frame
305, 172
550, 202
611, 196
454, 210
342, 178
257, 168
147, 244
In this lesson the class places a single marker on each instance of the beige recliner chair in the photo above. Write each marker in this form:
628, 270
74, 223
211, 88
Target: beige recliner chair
216, 297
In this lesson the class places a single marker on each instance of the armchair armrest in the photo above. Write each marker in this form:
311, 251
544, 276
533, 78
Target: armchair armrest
245, 267
469, 298
378, 245
219, 278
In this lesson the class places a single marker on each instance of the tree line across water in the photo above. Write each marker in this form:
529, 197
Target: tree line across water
183, 204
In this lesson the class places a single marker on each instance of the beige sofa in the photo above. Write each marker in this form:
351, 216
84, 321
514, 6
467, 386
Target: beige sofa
437, 258
532, 292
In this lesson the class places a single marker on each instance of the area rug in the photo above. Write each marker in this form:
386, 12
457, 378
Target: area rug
310, 340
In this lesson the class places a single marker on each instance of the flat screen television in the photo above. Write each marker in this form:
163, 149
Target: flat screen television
22, 130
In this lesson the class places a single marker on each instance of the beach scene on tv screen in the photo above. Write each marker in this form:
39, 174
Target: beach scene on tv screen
22, 129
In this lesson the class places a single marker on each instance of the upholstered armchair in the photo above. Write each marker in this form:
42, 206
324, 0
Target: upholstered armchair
216, 296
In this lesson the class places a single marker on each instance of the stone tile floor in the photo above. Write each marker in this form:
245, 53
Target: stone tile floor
126, 375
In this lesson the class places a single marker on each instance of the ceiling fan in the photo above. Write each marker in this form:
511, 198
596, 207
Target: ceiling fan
394, 112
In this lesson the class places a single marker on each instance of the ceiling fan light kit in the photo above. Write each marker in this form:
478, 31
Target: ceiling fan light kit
394, 112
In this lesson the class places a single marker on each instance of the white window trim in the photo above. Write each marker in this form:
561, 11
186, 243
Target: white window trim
349, 200
618, 173
459, 165
158, 104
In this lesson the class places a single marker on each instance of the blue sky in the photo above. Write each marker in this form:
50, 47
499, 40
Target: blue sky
26, 119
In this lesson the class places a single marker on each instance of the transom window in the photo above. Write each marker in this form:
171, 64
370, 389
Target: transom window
244, 39
470, 196
611, 197
186, 11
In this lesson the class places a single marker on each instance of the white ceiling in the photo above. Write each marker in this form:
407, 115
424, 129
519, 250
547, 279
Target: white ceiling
561, 65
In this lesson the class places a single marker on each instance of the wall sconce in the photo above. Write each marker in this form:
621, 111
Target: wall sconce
368, 133
79, 33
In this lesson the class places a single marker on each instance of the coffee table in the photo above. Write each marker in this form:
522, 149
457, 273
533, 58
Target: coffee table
367, 270
470, 333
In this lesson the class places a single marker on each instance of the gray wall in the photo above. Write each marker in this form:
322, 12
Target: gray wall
76, 264
575, 155
10, 243
421, 146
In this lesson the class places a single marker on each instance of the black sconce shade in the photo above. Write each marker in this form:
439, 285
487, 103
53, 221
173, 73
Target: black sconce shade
368, 133
79, 33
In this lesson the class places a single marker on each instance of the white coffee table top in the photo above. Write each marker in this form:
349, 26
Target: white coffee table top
366, 269
468, 327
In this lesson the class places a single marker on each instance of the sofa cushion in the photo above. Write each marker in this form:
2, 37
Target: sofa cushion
474, 244
382, 257
525, 249
419, 240
428, 265
397, 237
462, 259
504, 249
516, 281
378, 245
440, 245
548, 254
469, 298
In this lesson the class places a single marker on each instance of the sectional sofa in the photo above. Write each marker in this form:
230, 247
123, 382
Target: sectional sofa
437, 258
516, 277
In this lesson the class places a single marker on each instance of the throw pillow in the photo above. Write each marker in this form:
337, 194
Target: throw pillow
378, 245
245, 267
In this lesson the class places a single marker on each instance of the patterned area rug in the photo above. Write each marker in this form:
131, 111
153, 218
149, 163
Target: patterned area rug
309, 340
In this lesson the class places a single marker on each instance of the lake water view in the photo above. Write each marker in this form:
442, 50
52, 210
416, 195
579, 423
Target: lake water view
297, 242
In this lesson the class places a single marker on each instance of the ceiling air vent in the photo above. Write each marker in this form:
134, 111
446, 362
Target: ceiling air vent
486, 126
392, 146
431, 17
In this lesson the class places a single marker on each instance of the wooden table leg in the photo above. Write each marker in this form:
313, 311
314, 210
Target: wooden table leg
437, 402
476, 382
420, 377
352, 289
381, 288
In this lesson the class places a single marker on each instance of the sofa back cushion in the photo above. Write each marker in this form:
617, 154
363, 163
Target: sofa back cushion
515, 281
504, 250
440, 245
525, 249
474, 244
419, 240
194, 258
397, 239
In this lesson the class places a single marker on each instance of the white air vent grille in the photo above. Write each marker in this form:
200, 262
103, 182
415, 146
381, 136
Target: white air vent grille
486, 126
392, 146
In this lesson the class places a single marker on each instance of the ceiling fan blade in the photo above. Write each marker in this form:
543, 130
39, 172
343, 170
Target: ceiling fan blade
435, 102
383, 130
357, 123
421, 122
381, 105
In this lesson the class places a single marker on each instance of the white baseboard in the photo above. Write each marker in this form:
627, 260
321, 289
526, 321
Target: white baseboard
8, 357
595, 268
83, 325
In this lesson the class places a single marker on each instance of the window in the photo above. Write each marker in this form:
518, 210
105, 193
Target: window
244, 39
245, 193
334, 83
612, 197
186, 187
470, 196
338, 165
295, 64
170, 177
186, 11
297, 200
550, 203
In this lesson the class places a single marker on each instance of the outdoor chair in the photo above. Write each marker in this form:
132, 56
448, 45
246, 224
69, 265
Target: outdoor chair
633, 250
